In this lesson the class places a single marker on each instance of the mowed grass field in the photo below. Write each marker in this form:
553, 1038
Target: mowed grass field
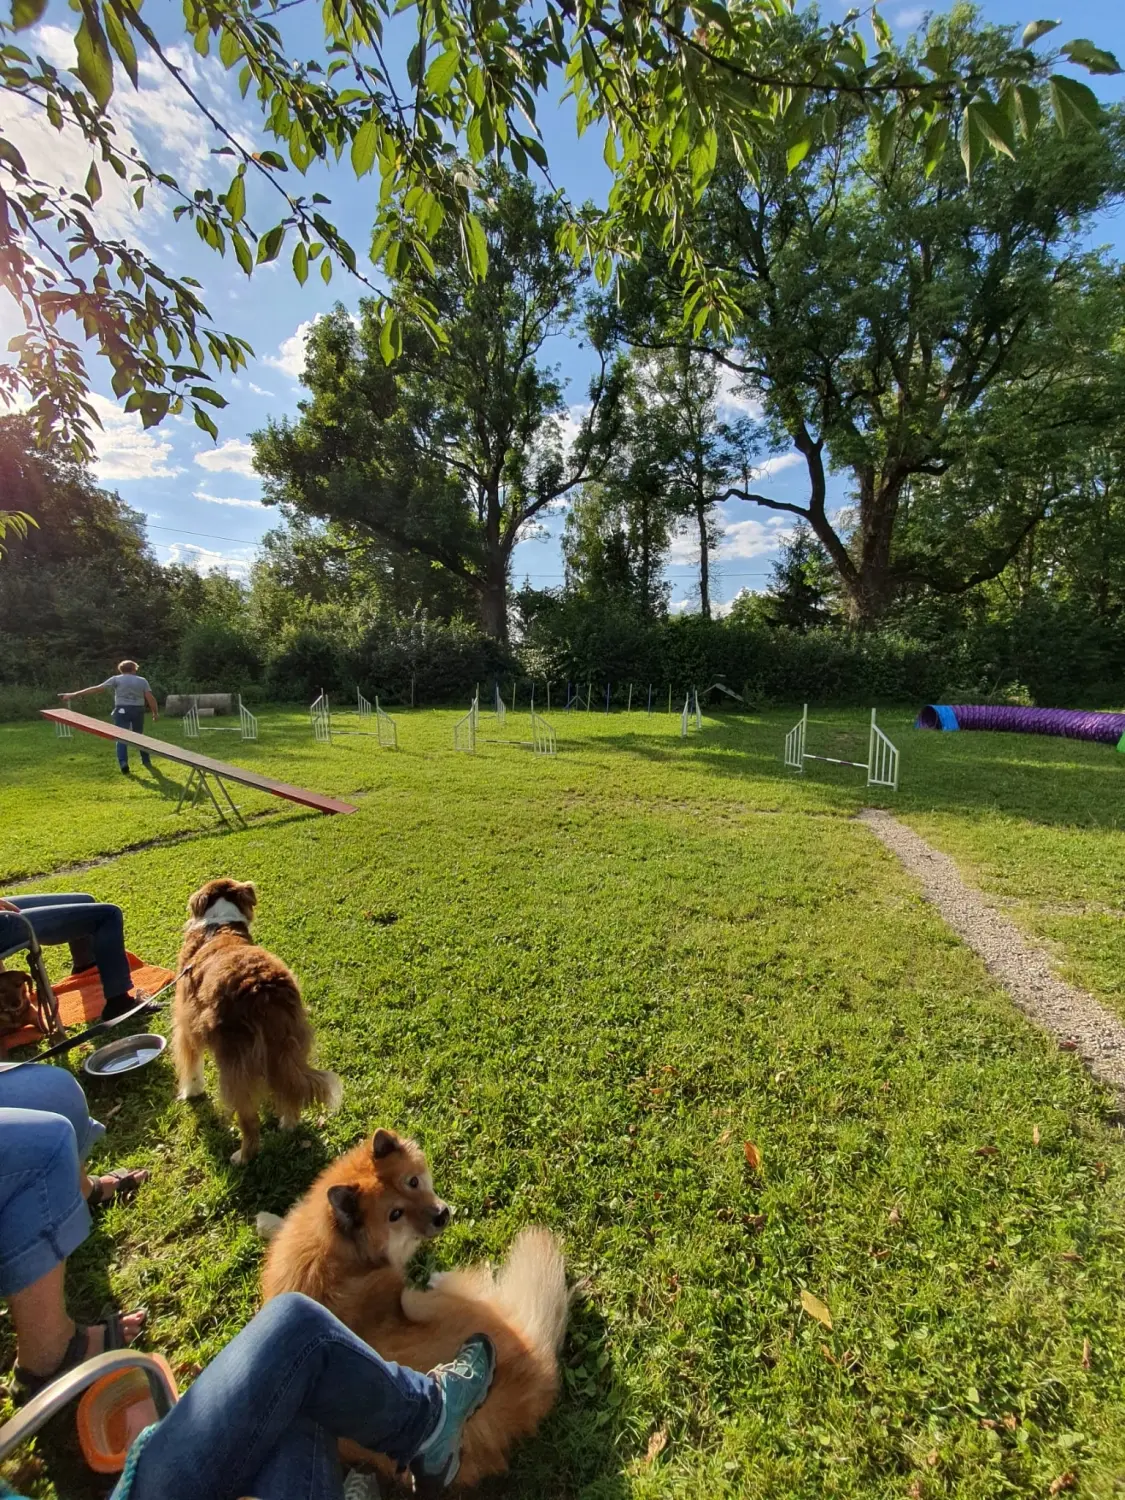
585, 985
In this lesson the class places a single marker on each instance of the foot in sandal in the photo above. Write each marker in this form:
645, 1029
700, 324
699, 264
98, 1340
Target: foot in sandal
115, 1331
122, 1182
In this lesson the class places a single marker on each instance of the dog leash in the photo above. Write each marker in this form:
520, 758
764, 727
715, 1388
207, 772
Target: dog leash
147, 1006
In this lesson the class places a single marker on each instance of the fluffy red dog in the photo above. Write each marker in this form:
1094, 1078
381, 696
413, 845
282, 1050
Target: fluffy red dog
242, 1005
347, 1244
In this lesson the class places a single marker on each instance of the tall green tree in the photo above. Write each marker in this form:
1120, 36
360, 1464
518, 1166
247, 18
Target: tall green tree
673, 90
802, 584
883, 298
82, 585
452, 452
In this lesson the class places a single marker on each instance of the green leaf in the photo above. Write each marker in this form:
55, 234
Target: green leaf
365, 146
95, 66
205, 393
235, 199
242, 251
9, 154
441, 73
326, 270
273, 159
269, 246
882, 31
1092, 58
203, 420
390, 338
25, 13
798, 150
888, 132
973, 141
1028, 108
476, 246
93, 183
301, 262
230, 49
1035, 30
54, 112
936, 138
996, 126
121, 41
1073, 103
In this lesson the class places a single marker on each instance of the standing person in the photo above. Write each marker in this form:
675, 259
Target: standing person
130, 694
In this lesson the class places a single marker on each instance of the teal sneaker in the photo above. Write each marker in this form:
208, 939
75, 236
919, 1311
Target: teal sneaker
464, 1384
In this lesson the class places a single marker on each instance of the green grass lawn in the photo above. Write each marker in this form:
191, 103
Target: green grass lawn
584, 984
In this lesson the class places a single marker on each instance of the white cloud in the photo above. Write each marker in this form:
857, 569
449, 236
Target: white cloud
734, 400
226, 500
774, 466
125, 450
678, 606
753, 538
157, 119
741, 539
235, 456
205, 560
290, 357
258, 391
909, 18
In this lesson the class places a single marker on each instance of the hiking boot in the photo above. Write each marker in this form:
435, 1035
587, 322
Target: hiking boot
464, 1384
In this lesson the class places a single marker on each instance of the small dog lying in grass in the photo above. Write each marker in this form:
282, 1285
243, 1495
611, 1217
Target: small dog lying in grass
242, 1005
347, 1243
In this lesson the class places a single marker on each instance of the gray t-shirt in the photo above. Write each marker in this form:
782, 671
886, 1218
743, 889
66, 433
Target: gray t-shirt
128, 689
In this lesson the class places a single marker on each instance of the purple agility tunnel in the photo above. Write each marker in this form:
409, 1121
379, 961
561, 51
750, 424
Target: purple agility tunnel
1070, 723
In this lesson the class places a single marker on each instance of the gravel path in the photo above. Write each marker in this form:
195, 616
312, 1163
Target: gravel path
1081, 1023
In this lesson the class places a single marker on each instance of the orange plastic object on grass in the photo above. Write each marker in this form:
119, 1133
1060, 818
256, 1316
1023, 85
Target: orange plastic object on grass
81, 1000
111, 1415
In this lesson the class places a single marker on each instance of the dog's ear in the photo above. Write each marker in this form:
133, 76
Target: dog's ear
344, 1202
245, 896
197, 901
384, 1144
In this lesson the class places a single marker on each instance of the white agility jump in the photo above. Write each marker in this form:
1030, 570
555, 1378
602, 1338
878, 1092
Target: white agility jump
881, 764
247, 723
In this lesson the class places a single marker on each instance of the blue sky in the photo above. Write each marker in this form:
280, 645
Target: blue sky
202, 499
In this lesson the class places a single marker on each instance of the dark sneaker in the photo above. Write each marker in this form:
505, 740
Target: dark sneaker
124, 770
464, 1384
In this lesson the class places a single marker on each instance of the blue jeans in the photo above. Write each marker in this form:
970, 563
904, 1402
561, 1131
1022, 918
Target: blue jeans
264, 1416
45, 1132
130, 716
95, 931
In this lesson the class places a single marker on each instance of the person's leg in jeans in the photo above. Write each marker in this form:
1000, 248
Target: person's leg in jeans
263, 1417
57, 1092
95, 932
43, 1219
130, 716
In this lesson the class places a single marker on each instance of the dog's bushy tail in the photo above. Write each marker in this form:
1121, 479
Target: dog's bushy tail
530, 1289
296, 1086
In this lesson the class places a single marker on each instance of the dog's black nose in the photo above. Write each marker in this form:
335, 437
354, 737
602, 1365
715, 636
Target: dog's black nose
441, 1217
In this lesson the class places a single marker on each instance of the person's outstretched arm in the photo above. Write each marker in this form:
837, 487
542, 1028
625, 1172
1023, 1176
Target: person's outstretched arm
151, 701
99, 687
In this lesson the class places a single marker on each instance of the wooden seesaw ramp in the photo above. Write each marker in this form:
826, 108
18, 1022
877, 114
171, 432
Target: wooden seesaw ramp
203, 769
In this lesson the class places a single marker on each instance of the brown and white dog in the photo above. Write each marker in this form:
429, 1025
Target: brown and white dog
346, 1244
242, 1005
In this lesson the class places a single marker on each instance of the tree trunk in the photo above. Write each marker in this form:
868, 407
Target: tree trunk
870, 584
704, 561
494, 603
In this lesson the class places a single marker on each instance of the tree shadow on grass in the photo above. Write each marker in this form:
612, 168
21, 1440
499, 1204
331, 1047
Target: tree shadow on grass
1047, 781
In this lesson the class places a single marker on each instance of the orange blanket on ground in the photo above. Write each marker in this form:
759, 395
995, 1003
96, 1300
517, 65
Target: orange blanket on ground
81, 1000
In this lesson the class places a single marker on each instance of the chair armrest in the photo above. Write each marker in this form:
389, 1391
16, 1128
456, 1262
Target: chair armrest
40, 1409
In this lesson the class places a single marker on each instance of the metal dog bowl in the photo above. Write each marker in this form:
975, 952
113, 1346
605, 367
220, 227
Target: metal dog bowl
124, 1055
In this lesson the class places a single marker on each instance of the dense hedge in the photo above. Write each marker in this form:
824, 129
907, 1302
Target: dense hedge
1051, 656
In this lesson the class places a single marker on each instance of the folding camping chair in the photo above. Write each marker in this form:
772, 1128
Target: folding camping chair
38, 1411
46, 1003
